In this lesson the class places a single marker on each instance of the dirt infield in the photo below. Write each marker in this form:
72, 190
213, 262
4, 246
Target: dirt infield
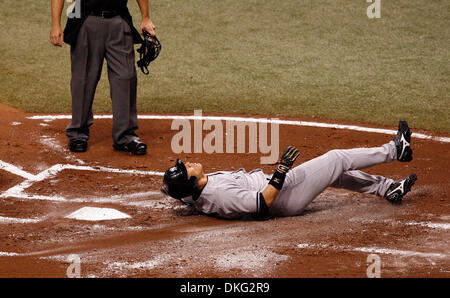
163, 238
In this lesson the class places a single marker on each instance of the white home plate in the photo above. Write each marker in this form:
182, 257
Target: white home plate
95, 214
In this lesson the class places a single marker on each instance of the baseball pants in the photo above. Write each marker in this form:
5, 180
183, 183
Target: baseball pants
337, 168
101, 38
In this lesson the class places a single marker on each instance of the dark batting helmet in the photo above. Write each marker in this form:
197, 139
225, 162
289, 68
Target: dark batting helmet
176, 182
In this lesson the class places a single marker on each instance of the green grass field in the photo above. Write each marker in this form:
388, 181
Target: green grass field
310, 58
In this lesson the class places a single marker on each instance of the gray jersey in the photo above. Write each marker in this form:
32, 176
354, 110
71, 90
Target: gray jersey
231, 194
235, 194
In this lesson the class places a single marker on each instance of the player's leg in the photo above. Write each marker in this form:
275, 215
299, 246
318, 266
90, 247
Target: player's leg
363, 183
87, 60
392, 191
305, 182
355, 159
330, 166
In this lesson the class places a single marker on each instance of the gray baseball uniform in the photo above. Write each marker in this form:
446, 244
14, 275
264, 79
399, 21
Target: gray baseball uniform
236, 194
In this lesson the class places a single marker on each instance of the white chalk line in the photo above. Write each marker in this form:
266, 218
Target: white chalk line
431, 225
53, 144
257, 120
17, 191
8, 254
15, 170
380, 250
18, 220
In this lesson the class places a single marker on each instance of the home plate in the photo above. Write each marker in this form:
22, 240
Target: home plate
95, 214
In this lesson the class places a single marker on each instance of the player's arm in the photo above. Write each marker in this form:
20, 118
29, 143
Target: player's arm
56, 33
146, 23
271, 191
269, 194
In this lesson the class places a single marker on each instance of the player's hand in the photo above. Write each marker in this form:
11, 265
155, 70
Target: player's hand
148, 26
287, 159
56, 36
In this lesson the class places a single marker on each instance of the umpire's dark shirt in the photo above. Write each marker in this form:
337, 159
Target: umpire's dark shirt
104, 5
87, 6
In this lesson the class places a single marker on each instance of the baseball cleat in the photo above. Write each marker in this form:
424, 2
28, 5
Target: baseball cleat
402, 142
399, 189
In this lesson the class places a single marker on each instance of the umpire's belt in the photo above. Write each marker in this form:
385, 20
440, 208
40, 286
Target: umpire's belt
105, 14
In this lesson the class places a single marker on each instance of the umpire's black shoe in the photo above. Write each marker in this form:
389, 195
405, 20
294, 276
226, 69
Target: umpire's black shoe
402, 142
134, 147
78, 145
399, 189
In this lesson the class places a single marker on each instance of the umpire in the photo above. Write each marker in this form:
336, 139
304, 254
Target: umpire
95, 30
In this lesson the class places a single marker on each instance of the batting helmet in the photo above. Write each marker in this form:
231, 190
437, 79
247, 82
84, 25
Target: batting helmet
176, 182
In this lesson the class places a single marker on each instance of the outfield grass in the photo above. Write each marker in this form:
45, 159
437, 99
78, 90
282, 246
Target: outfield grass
316, 58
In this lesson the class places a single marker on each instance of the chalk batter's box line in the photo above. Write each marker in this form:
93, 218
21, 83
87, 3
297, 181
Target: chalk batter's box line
18, 191
256, 120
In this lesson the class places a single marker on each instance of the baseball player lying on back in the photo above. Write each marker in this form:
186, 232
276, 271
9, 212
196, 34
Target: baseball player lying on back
287, 192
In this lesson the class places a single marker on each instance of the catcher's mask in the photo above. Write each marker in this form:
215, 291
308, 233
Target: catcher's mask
176, 182
148, 51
